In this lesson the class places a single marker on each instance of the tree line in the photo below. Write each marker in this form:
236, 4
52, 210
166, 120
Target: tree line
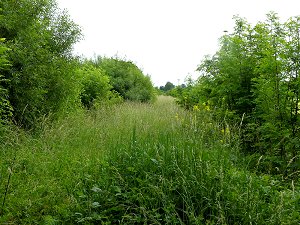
252, 83
39, 74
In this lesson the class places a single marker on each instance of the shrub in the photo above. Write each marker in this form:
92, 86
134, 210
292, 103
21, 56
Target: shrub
127, 79
42, 80
95, 85
5, 107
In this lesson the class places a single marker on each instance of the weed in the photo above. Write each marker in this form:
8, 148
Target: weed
142, 164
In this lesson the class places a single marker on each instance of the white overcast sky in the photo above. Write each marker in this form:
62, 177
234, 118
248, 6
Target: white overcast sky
167, 39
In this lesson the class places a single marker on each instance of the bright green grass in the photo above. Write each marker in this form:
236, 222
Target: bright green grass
137, 164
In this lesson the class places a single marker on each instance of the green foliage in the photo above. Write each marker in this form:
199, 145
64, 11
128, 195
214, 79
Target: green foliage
147, 163
95, 83
171, 90
138, 164
194, 94
253, 81
168, 86
5, 107
42, 80
127, 79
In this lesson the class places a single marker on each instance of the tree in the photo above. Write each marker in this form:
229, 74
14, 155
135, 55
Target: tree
42, 80
293, 69
254, 78
169, 86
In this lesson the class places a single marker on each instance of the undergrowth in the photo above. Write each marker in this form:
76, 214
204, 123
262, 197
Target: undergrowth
137, 164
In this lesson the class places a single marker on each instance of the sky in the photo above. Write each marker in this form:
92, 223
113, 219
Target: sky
167, 39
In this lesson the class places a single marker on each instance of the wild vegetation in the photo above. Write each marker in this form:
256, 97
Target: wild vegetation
138, 163
83, 141
44, 78
253, 80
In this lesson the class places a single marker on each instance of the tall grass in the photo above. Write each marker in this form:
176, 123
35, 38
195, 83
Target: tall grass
138, 164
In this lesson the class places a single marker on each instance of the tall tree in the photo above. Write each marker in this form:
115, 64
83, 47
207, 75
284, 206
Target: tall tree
292, 70
169, 86
254, 77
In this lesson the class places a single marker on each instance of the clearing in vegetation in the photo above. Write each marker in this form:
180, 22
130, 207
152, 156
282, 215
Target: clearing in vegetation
137, 163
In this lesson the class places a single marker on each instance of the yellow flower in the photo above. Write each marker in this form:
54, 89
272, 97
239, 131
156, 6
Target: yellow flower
207, 108
226, 131
196, 108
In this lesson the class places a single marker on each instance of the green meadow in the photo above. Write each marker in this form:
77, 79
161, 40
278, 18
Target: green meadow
92, 141
138, 163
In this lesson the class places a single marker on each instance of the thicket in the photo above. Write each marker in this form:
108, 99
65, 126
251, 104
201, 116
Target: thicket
5, 108
40, 80
127, 79
44, 78
252, 83
96, 88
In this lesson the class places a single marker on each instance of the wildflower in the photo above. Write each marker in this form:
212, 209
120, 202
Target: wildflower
226, 131
196, 108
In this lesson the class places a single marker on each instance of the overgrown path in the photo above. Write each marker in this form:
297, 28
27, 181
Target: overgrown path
136, 163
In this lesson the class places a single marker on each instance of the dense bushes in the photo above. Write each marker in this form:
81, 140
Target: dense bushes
44, 77
127, 79
112, 80
253, 81
42, 80
5, 108
96, 87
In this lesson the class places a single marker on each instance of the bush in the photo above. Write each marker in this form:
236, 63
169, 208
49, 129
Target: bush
253, 80
5, 107
95, 85
127, 79
42, 80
